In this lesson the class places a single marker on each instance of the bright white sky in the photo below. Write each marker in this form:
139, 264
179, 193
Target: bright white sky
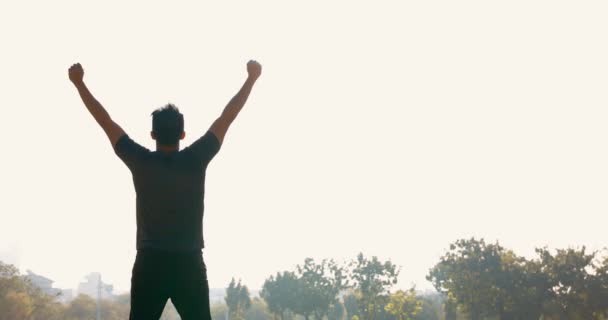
391, 128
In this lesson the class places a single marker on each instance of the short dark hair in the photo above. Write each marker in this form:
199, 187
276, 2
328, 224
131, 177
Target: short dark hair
167, 124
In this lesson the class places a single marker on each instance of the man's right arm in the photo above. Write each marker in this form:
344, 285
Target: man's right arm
99, 113
222, 123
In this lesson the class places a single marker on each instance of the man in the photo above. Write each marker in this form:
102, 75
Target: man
170, 188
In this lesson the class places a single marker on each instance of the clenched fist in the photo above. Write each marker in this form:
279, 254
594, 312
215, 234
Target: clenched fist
76, 73
254, 69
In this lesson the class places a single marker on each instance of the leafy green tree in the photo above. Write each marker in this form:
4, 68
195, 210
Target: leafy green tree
46, 307
404, 305
280, 293
488, 281
237, 299
522, 288
575, 281
598, 288
15, 303
372, 280
319, 286
469, 271
20, 299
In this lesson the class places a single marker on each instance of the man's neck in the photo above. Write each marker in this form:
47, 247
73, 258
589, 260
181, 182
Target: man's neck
167, 148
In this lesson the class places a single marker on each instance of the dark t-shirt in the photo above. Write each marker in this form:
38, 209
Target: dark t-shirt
170, 190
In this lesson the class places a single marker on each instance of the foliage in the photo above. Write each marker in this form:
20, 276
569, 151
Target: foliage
258, 310
82, 307
488, 281
350, 305
280, 293
431, 307
372, 280
237, 299
475, 280
574, 283
19, 299
404, 305
320, 284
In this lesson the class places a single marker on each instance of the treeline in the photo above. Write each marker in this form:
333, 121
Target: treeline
487, 281
359, 289
355, 290
475, 280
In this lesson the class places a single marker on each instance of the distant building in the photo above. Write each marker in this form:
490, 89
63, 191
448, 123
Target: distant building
94, 285
45, 284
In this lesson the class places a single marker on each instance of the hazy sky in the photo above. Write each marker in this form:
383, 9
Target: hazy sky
388, 128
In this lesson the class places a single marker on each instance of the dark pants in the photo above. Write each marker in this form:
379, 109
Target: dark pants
158, 276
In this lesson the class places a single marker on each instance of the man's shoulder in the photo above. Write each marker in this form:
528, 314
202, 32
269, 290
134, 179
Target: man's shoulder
125, 141
130, 151
205, 147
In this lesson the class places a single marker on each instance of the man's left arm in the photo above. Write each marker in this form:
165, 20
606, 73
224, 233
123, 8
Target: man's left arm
220, 125
112, 130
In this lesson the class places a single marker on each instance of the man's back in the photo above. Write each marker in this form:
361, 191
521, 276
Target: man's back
170, 190
170, 187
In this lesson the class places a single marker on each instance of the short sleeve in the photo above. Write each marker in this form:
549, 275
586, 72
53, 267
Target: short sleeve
206, 147
129, 151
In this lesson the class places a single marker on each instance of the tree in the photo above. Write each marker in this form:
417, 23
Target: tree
469, 272
16, 305
338, 311
577, 284
237, 299
523, 288
598, 288
403, 304
487, 281
280, 293
350, 305
258, 310
14, 301
46, 307
372, 280
20, 299
431, 304
320, 284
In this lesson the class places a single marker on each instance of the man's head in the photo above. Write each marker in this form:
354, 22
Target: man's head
167, 125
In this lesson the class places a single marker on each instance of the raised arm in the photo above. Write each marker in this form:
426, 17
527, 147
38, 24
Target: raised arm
221, 125
112, 130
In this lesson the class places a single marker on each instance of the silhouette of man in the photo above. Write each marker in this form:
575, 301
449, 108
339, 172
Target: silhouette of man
170, 188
